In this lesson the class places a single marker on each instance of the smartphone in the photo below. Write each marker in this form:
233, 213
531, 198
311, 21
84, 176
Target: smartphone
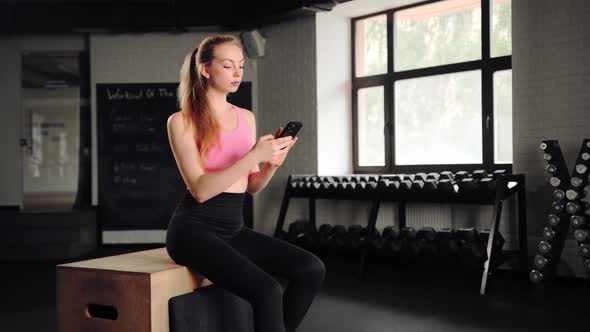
291, 129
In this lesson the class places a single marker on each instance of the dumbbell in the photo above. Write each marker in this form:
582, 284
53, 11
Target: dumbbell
470, 248
302, 234
551, 169
301, 186
446, 175
409, 243
293, 185
558, 194
430, 185
577, 221
355, 238
342, 187
337, 238
360, 187
324, 186
576, 182
372, 185
460, 175
581, 169
541, 262
536, 276
333, 188
308, 187
581, 235
351, 187
553, 219
316, 186
584, 249
420, 176
573, 194
394, 177
408, 177
391, 241
488, 185
555, 181
574, 207
324, 232
343, 178
375, 243
427, 250
499, 172
447, 246
467, 184
405, 185
417, 186
446, 186
545, 247
386, 185
363, 178
549, 233
432, 176
557, 206
479, 174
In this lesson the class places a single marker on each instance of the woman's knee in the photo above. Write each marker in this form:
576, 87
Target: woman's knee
314, 269
267, 290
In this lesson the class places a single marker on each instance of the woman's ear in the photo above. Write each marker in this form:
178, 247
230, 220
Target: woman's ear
203, 70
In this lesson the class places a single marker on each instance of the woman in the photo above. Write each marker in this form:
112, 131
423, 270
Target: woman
215, 147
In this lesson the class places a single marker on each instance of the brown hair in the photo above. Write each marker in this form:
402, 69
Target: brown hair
191, 93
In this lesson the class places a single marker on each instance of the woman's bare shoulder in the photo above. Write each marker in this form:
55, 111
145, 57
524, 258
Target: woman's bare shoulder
177, 122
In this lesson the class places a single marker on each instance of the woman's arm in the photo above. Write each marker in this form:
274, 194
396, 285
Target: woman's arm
202, 186
258, 179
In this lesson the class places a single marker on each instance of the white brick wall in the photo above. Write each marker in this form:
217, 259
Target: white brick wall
551, 80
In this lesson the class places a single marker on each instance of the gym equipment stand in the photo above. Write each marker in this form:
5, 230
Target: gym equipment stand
506, 186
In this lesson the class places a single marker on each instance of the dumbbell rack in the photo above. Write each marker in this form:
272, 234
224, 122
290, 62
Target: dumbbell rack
506, 186
567, 209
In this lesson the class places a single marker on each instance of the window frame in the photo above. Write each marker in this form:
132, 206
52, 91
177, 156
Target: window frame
486, 64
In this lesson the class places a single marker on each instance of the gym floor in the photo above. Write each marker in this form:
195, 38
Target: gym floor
391, 298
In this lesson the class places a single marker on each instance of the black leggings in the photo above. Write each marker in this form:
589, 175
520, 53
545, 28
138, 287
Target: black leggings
211, 239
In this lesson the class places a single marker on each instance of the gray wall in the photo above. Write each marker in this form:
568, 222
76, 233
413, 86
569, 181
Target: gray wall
551, 80
287, 92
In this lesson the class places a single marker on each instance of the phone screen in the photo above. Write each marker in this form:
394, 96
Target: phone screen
291, 129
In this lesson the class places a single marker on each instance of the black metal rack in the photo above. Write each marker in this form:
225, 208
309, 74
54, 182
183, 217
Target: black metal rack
568, 192
506, 186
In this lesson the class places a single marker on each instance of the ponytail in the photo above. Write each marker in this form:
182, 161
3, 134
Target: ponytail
192, 97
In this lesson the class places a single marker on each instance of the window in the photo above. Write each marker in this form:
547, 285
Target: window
432, 87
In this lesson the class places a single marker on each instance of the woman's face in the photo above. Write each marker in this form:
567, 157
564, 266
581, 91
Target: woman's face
226, 69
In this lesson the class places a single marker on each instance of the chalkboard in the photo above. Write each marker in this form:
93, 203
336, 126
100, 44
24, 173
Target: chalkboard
139, 184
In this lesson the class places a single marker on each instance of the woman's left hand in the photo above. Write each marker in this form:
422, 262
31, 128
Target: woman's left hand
278, 161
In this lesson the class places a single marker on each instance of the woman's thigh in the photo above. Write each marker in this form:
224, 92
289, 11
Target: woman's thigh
273, 255
212, 257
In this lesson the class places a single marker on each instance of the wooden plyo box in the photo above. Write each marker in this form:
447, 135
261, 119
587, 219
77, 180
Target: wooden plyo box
128, 292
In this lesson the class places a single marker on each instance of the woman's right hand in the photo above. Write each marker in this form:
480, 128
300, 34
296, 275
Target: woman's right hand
268, 148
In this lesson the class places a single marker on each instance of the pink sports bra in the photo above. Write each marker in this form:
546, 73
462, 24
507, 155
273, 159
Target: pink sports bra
233, 144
